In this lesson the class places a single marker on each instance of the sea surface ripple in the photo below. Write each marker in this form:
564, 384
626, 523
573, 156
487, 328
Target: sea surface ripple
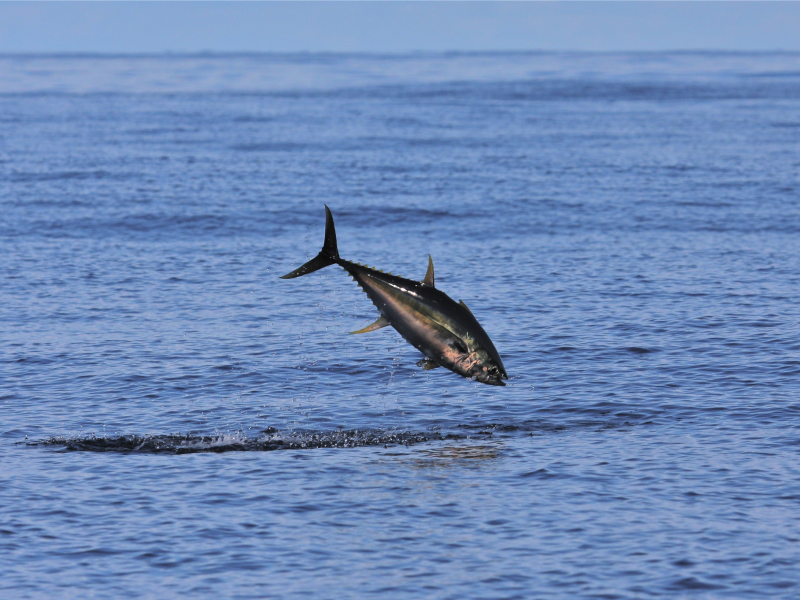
178, 422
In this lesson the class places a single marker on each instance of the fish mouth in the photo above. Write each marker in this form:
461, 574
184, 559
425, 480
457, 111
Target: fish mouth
493, 376
493, 380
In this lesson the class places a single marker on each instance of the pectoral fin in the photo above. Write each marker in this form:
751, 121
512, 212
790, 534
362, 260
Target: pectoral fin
427, 364
380, 323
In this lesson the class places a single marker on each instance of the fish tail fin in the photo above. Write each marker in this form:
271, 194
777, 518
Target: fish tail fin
329, 254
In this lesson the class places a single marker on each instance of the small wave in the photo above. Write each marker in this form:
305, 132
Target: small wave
25, 177
253, 119
269, 440
638, 350
273, 147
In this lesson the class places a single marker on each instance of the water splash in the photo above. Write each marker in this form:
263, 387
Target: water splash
269, 440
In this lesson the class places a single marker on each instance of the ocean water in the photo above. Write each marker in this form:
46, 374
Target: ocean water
175, 421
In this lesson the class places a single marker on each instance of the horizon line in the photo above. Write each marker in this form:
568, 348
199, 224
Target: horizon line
400, 54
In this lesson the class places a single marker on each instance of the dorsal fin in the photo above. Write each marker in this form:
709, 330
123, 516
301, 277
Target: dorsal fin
461, 302
428, 280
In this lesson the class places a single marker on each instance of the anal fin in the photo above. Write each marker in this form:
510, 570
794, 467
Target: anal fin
427, 364
379, 324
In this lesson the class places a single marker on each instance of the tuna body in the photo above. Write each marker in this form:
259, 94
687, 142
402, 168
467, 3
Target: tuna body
445, 331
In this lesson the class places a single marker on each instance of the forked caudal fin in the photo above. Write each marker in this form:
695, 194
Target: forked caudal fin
327, 256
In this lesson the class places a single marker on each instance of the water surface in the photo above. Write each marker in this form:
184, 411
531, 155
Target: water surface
177, 421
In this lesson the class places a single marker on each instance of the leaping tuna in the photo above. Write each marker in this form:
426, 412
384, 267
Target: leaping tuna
446, 332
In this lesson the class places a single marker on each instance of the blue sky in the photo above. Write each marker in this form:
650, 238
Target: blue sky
112, 27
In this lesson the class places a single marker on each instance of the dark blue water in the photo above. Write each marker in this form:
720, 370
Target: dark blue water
178, 422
